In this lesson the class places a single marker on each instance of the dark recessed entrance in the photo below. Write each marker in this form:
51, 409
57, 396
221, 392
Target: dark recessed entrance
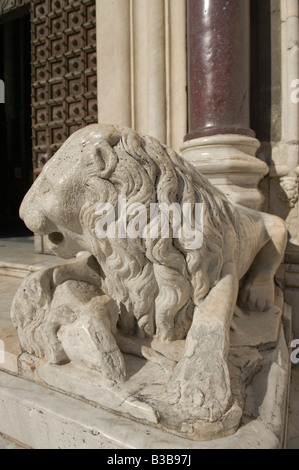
15, 122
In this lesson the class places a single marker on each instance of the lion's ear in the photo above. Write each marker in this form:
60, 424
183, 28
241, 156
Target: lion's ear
105, 157
109, 134
105, 160
131, 140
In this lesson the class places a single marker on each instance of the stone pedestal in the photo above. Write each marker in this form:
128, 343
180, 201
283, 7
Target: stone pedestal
47, 406
220, 142
51, 407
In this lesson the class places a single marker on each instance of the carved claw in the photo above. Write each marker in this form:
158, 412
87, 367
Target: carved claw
257, 294
201, 390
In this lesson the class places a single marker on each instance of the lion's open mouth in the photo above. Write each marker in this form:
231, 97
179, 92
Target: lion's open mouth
56, 238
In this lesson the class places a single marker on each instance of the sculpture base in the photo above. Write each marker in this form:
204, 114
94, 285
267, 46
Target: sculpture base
50, 406
45, 419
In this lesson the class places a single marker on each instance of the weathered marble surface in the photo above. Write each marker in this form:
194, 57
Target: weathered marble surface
160, 299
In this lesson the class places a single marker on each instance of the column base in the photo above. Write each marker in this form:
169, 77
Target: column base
228, 161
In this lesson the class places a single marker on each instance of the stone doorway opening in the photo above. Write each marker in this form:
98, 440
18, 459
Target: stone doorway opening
16, 173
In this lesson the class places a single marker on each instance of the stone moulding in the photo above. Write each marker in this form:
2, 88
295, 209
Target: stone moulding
229, 162
173, 332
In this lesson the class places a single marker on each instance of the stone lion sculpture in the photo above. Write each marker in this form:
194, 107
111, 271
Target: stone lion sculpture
122, 290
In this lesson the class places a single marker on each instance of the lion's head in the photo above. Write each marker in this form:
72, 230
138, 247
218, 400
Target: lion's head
156, 281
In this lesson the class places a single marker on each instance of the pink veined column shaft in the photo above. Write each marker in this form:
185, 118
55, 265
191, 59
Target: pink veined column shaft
218, 68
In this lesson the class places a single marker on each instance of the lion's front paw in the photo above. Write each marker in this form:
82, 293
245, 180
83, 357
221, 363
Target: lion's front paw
257, 294
200, 387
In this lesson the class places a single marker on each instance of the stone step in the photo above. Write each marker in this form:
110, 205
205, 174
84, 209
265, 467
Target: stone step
43, 418
17, 257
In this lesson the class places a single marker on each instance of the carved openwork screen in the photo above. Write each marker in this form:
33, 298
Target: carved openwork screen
64, 80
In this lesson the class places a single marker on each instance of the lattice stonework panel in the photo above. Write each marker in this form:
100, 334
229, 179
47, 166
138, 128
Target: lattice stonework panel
64, 80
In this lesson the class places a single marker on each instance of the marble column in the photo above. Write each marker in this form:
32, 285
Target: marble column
141, 52
219, 140
114, 62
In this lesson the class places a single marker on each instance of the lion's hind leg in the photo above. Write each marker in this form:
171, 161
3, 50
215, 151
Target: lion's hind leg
258, 290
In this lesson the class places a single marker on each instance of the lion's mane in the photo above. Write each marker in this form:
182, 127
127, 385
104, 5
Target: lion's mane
156, 282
